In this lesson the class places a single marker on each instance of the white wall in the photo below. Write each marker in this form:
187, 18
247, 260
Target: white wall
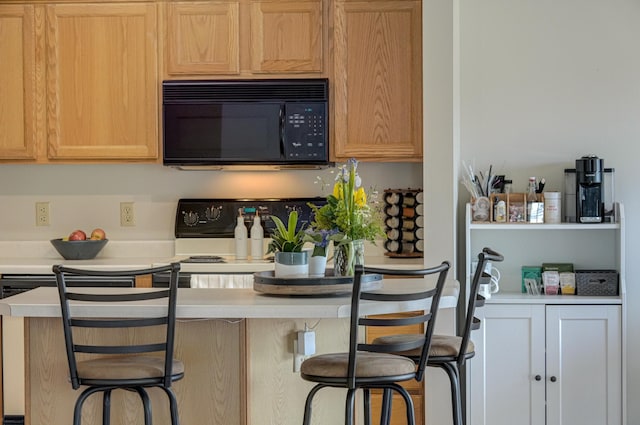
543, 82
89, 196
440, 189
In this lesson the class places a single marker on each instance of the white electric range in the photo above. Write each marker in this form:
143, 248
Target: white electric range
204, 243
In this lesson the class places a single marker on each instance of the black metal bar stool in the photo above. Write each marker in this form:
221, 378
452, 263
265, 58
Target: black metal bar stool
450, 352
372, 366
104, 368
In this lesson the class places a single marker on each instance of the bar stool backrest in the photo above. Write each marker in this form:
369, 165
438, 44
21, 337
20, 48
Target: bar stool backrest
428, 297
73, 323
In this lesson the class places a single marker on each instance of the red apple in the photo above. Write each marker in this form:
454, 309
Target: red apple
98, 234
77, 235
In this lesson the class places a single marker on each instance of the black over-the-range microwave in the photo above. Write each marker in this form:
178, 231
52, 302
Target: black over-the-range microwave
274, 122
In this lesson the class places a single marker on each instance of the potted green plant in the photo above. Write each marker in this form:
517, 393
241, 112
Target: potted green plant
286, 244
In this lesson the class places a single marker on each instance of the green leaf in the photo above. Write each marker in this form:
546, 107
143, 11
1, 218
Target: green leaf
279, 225
285, 238
293, 221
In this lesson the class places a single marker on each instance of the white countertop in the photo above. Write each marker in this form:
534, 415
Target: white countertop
45, 265
38, 257
520, 298
15, 265
194, 303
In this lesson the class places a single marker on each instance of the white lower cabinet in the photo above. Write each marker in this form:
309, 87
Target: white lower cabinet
546, 364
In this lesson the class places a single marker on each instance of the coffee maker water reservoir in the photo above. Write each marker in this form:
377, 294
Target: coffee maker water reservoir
589, 189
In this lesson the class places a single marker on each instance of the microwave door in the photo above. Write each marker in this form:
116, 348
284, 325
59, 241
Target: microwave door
251, 132
224, 133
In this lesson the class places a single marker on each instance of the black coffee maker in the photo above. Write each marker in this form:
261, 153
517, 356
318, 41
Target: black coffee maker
589, 189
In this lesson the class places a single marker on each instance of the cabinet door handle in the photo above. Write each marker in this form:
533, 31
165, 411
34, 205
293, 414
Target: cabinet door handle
538, 378
553, 379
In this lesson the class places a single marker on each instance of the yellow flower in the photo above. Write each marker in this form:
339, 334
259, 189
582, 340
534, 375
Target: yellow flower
361, 197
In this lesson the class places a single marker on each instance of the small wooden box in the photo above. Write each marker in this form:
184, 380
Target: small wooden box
516, 207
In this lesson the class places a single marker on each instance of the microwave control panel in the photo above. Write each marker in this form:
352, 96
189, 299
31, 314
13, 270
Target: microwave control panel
305, 129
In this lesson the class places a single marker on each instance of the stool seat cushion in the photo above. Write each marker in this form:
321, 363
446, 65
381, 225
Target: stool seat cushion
126, 367
441, 345
368, 365
448, 345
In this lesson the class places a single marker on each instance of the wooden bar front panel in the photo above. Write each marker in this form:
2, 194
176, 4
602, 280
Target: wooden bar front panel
210, 393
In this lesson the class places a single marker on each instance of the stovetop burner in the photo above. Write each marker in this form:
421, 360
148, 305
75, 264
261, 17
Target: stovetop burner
204, 259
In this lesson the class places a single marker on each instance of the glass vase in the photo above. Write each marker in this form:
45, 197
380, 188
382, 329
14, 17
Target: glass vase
347, 256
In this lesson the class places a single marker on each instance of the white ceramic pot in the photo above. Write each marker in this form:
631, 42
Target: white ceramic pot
291, 264
317, 266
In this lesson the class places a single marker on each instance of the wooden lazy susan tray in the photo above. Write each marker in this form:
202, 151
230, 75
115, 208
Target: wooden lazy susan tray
267, 283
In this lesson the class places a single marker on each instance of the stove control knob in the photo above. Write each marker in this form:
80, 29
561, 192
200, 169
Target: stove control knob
295, 208
213, 213
190, 218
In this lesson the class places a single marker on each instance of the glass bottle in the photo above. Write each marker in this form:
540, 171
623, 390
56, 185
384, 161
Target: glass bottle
531, 190
533, 212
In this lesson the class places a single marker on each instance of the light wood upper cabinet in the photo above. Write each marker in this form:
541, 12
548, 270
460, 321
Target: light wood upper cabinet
203, 38
378, 80
80, 82
244, 38
20, 73
102, 81
286, 36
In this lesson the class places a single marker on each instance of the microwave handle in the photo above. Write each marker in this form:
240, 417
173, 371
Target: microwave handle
282, 127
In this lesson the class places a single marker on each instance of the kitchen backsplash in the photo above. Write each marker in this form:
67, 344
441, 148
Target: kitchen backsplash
89, 196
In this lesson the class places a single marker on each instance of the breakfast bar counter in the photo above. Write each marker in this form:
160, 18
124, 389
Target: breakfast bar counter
237, 346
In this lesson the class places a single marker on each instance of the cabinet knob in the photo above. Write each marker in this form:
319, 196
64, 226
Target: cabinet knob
553, 379
538, 378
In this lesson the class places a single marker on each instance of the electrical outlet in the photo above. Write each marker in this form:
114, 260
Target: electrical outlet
42, 213
127, 218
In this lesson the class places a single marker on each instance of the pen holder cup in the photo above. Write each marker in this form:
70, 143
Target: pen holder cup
481, 209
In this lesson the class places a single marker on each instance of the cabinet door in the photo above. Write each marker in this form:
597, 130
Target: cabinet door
20, 125
202, 38
415, 388
286, 36
102, 81
378, 81
584, 349
504, 389
376, 332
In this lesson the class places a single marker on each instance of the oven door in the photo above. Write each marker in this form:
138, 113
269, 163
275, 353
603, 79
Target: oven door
161, 280
224, 133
